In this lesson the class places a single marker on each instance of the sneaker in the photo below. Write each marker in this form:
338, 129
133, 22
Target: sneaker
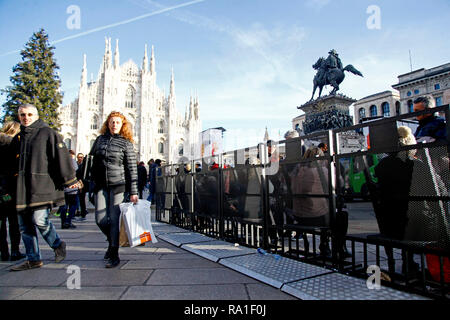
65, 226
72, 226
60, 252
27, 265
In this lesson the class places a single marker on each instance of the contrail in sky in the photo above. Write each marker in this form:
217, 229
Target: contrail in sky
154, 13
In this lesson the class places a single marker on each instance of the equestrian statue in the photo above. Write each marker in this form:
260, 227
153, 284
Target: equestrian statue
331, 72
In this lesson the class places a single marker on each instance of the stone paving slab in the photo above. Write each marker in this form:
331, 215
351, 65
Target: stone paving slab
178, 239
197, 276
179, 256
10, 293
216, 250
187, 292
114, 277
259, 291
159, 230
84, 293
271, 271
157, 263
170, 250
51, 275
338, 286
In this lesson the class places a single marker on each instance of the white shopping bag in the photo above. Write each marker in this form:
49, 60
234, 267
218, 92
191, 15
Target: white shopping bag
138, 226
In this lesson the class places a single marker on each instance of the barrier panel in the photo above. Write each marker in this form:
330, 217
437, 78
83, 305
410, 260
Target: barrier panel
386, 203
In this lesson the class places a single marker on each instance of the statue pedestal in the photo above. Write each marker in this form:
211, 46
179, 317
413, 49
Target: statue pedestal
325, 113
332, 112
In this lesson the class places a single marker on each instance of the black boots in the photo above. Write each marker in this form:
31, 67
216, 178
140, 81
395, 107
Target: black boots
107, 253
113, 260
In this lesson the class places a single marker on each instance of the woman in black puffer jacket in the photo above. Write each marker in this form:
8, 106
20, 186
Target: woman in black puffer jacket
114, 173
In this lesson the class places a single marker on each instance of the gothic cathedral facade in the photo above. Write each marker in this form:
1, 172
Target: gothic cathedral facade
160, 130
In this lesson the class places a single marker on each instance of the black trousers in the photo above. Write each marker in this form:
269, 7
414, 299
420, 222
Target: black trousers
8, 212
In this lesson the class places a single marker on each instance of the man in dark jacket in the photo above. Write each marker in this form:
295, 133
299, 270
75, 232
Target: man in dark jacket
430, 127
142, 178
42, 167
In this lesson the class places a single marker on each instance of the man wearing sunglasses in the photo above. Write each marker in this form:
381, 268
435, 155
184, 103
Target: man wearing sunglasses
42, 167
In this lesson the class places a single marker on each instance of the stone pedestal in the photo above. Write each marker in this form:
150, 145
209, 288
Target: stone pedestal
328, 112
332, 112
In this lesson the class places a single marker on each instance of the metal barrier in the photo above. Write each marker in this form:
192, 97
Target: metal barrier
283, 198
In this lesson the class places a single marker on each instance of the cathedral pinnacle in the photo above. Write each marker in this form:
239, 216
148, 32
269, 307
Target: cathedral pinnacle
84, 72
152, 62
145, 61
116, 55
172, 85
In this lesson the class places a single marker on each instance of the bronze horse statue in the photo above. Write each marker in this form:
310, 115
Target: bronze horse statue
333, 76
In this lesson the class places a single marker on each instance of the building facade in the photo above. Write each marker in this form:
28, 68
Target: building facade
385, 104
160, 131
434, 82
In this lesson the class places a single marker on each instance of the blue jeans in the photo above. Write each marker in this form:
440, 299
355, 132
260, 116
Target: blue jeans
28, 221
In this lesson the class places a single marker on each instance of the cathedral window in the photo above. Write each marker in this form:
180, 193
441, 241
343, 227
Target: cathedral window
129, 98
180, 149
161, 127
94, 123
68, 143
161, 147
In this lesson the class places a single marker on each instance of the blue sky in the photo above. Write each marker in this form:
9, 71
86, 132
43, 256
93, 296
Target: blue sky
249, 61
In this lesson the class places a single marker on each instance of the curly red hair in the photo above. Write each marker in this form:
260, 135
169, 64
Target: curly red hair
125, 131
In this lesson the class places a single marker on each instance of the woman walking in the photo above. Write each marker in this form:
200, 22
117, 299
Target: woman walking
114, 173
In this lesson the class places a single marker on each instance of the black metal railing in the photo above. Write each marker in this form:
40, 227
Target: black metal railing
328, 209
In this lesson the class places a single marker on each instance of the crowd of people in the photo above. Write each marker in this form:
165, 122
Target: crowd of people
299, 189
38, 173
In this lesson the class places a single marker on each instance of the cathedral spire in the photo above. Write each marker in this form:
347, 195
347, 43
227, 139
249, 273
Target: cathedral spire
196, 106
108, 56
266, 136
172, 85
145, 61
152, 62
109, 53
84, 72
116, 55
191, 105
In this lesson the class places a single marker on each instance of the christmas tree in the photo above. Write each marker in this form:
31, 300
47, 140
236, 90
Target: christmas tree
35, 81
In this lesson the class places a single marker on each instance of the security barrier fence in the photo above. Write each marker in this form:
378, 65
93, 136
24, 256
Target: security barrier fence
385, 204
